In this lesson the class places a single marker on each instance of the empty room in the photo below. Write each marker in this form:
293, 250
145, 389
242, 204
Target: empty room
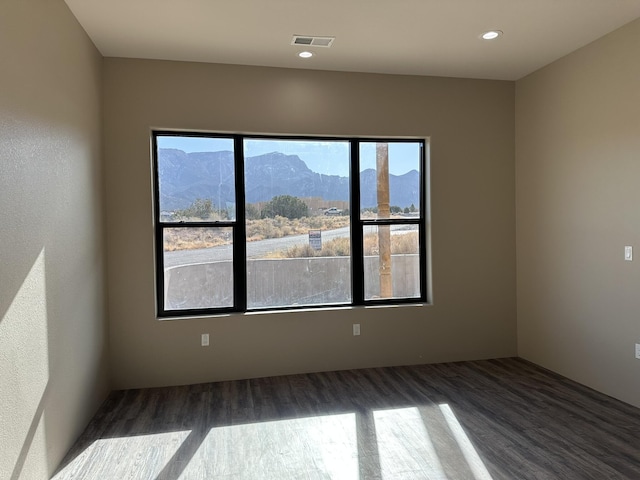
331, 240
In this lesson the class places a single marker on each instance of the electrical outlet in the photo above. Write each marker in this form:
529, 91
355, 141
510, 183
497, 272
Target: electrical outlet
205, 339
638, 351
356, 329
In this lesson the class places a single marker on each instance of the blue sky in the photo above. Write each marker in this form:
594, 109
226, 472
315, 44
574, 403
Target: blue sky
328, 157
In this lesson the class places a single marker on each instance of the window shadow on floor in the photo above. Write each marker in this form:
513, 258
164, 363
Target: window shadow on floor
476, 420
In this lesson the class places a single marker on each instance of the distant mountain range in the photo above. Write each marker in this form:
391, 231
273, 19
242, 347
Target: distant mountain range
185, 177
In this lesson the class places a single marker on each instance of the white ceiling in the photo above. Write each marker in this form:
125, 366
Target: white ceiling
419, 37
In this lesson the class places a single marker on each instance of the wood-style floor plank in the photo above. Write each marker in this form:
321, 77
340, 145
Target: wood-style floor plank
503, 419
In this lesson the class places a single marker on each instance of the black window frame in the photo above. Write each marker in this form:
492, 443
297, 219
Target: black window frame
238, 226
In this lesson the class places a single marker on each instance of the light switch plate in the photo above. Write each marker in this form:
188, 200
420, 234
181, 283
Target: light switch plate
628, 253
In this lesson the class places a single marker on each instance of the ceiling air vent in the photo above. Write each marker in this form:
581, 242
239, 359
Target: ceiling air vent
311, 41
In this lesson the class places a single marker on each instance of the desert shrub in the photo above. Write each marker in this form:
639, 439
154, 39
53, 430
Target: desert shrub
405, 243
201, 208
285, 206
194, 238
251, 212
189, 239
338, 247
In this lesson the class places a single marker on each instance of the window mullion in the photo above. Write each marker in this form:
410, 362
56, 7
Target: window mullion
159, 267
159, 232
422, 229
357, 259
240, 232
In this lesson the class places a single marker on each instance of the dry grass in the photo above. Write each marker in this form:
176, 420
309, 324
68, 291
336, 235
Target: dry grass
282, 227
405, 243
338, 247
195, 238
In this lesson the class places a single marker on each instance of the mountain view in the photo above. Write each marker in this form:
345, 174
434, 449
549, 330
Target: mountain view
184, 177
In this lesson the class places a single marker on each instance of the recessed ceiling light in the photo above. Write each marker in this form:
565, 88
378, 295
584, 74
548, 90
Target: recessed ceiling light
491, 35
305, 54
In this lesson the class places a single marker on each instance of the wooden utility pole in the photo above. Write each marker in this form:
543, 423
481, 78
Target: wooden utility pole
384, 211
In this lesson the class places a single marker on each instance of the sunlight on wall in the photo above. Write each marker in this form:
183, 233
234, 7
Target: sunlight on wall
24, 365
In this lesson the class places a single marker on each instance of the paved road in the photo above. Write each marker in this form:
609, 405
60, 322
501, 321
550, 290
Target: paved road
256, 249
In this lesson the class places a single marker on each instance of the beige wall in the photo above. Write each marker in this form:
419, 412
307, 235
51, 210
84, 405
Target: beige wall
471, 124
578, 203
576, 137
52, 309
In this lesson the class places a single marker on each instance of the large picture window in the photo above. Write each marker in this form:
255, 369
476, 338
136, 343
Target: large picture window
253, 222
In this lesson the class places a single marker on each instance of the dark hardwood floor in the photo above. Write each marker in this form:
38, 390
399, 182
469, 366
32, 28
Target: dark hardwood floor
494, 419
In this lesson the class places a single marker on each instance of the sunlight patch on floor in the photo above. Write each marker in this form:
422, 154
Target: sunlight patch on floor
405, 446
139, 457
313, 447
426, 442
478, 468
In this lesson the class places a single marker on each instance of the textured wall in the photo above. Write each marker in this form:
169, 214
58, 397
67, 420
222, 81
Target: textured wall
52, 308
471, 125
577, 170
